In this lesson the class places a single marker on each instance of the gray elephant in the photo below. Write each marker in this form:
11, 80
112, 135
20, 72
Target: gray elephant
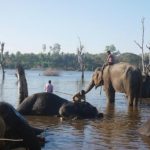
48, 103
52, 105
79, 110
145, 93
16, 127
120, 77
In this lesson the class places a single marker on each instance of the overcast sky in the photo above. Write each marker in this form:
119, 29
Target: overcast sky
27, 24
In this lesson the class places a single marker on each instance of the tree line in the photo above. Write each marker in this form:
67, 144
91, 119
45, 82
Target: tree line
66, 61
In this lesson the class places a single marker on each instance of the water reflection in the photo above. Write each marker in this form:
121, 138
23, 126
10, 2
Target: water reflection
116, 130
80, 84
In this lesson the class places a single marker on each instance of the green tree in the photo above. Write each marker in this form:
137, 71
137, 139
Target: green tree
55, 48
130, 58
112, 49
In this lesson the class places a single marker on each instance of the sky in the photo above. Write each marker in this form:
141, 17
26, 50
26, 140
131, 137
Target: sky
25, 25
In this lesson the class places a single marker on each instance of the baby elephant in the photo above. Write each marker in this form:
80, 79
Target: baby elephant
79, 97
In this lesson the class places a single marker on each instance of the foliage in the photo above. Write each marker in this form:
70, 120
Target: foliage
130, 58
55, 48
112, 49
64, 61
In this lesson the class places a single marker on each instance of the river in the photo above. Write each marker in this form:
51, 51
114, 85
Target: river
116, 131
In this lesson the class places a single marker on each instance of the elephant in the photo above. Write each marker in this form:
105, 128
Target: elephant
48, 104
145, 93
79, 110
2, 132
18, 128
121, 77
145, 129
41, 104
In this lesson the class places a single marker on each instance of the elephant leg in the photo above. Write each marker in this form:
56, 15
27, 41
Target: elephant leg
133, 100
136, 99
110, 93
130, 99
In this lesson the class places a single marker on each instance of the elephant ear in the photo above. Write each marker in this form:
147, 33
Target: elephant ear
97, 78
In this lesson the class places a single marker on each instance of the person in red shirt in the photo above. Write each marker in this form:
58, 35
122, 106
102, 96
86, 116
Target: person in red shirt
110, 58
109, 61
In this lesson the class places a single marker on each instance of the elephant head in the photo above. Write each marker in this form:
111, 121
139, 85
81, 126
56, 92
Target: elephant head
80, 96
96, 81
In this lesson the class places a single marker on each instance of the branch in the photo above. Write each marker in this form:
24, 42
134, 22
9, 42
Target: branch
138, 44
143, 31
148, 46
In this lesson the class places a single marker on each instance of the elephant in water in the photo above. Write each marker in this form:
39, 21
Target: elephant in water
79, 110
49, 103
120, 77
145, 93
53, 105
18, 128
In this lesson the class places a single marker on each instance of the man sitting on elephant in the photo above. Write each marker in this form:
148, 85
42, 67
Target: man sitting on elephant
109, 61
110, 58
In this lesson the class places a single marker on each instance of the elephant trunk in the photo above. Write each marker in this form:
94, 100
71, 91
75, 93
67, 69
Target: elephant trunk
90, 86
78, 97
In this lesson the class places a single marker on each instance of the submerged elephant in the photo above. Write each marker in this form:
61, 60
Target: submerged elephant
41, 104
49, 103
121, 77
79, 110
18, 128
53, 105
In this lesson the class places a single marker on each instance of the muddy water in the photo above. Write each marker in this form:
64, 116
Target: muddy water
117, 130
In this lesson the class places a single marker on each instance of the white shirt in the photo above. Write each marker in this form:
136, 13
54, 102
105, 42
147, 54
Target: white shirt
49, 88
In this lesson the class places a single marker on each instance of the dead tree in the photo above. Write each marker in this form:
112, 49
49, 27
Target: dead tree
80, 58
148, 66
2, 57
149, 52
142, 45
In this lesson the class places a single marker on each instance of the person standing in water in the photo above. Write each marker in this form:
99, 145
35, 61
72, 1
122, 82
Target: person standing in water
49, 87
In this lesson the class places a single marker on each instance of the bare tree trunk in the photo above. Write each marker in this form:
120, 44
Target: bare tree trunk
82, 72
80, 59
22, 83
148, 66
148, 53
142, 44
2, 58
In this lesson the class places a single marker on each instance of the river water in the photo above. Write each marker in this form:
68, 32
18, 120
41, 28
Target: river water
116, 131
